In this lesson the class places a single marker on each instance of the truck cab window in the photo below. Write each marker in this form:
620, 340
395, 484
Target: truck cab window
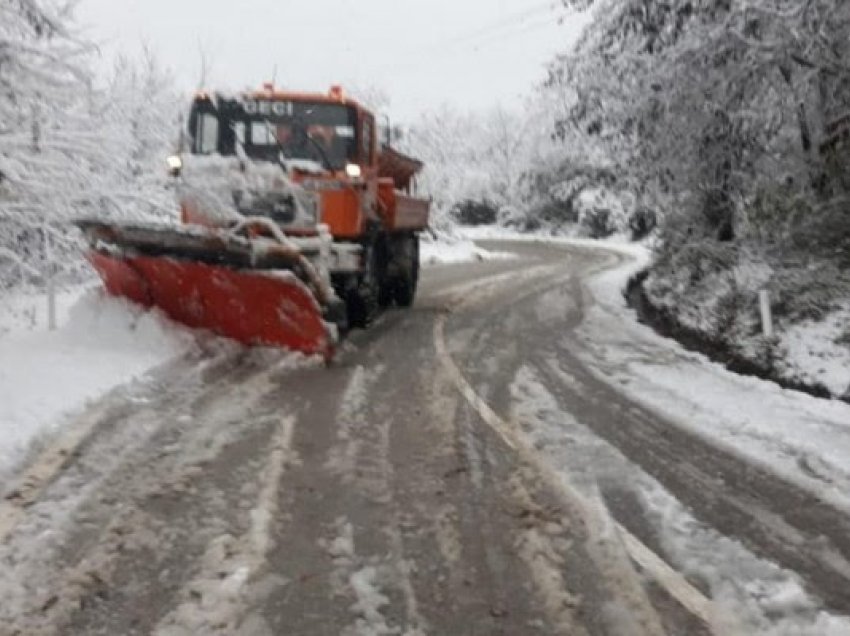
206, 133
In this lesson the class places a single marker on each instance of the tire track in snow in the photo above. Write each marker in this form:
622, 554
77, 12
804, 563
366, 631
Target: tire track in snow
363, 579
540, 541
605, 544
591, 465
158, 454
541, 549
361, 457
443, 411
217, 600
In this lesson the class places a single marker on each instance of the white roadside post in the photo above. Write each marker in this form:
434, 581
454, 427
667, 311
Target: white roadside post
766, 314
51, 283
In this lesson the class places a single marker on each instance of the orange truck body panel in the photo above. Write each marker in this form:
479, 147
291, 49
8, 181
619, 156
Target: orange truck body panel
401, 212
411, 213
342, 213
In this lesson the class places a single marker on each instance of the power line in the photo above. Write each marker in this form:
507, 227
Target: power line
508, 20
482, 40
504, 23
518, 29
506, 27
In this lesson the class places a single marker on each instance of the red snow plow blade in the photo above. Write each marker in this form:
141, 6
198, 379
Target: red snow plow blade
269, 307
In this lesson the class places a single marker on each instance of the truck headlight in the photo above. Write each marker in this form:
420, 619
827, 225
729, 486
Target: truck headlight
175, 165
353, 171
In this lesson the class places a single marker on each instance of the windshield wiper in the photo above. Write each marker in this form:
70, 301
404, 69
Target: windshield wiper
302, 126
301, 129
281, 151
322, 152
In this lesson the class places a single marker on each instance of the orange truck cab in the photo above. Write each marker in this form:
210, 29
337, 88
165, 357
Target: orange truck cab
363, 191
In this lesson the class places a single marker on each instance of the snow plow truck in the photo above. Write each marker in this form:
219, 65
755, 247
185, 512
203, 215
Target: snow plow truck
297, 223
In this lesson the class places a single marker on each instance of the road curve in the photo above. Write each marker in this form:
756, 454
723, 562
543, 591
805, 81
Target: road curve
397, 492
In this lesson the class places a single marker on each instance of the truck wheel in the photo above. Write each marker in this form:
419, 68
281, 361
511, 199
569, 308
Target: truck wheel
362, 299
336, 313
386, 292
385, 280
405, 287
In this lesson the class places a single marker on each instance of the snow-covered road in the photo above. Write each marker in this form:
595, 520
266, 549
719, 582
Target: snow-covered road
514, 455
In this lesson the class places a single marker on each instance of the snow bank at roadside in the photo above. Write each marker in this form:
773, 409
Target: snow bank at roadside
45, 377
814, 351
447, 251
498, 233
27, 310
805, 439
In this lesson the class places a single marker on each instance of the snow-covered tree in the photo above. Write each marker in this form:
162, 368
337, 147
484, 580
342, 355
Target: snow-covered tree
701, 104
45, 91
69, 145
477, 164
142, 114
731, 118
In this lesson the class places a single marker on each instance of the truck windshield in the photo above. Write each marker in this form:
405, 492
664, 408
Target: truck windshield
318, 132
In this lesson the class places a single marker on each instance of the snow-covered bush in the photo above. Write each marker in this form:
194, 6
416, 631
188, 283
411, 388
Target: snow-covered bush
475, 212
642, 221
600, 213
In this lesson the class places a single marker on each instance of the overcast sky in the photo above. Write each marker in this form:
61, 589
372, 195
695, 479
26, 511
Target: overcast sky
422, 53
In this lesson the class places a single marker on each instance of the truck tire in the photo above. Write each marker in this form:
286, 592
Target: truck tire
404, 289
336, 313
387, 281
362, 299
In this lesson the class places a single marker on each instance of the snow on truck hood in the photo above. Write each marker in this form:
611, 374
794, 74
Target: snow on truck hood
211, 184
